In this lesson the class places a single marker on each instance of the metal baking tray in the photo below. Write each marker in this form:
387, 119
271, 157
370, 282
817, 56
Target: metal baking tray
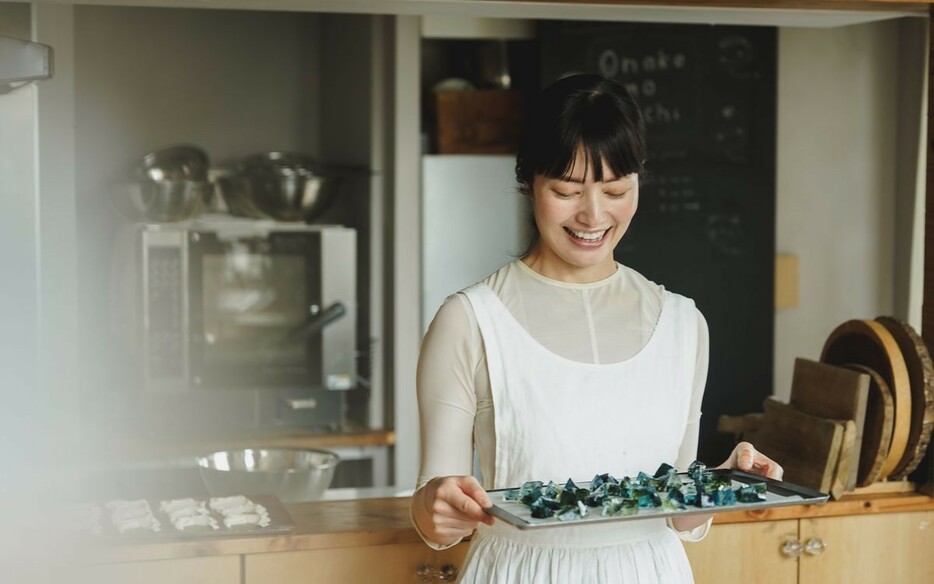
280, 522
778, 494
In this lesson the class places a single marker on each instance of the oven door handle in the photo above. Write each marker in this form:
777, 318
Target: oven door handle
315, 323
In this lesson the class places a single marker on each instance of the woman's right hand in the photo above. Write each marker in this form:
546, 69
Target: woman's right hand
447, 509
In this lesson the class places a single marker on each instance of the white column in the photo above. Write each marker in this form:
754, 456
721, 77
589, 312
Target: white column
406, 237
57, 229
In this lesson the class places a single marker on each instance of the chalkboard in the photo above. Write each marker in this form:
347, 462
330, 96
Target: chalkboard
705, 226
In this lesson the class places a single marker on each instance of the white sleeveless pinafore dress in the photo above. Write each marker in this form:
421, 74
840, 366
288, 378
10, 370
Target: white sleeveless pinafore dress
556, 418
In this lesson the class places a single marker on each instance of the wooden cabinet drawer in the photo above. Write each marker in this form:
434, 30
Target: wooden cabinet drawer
894, 547
884, 547
745, 552
207, 570
384, 563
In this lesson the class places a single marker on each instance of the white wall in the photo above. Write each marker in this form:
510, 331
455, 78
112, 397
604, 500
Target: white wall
20, 400
836, 185
37, 295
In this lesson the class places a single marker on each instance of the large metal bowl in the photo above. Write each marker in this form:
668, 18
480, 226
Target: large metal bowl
235, 193
292, 474
282, 185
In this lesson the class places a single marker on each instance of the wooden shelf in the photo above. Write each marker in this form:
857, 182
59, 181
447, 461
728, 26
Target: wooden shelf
275, 438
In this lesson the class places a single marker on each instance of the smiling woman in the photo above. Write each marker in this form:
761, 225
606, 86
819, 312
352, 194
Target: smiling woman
579, 221
584, 136
565, 363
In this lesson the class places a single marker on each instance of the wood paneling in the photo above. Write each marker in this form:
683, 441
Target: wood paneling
881, 548
390, 563
215, 570
748, 553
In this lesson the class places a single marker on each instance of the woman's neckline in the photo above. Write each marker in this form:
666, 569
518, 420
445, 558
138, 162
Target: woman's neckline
571, 285
538, 346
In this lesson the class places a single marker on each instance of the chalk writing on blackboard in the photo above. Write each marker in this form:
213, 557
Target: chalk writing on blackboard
737, 57
726, 232
676, 194
639, 74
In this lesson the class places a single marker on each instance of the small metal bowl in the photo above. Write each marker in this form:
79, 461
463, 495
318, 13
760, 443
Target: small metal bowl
162, 201
171, 185
176, 163
292, 474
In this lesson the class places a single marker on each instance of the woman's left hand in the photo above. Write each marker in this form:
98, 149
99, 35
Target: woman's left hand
746, 458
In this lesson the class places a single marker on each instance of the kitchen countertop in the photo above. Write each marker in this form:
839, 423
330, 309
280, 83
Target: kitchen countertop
381, 521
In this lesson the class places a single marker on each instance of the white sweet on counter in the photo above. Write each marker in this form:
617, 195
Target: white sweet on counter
219, 504
239, 510
185, 513
181, 523
127, 515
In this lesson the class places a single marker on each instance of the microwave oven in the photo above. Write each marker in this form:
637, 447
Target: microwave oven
253, 318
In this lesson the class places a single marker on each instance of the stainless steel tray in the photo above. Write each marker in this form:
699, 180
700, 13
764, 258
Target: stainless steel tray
778, 494
280, 522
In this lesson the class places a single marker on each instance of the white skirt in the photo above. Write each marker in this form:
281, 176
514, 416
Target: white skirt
632, 552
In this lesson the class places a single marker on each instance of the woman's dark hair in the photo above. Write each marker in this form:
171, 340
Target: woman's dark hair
586, 111
581, 110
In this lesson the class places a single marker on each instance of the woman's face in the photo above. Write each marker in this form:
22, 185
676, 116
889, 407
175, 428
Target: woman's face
580, 221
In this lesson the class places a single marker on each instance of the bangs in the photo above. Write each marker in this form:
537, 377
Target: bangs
597, 127
585, 113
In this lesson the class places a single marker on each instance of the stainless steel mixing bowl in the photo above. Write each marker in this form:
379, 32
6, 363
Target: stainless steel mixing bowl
292, 474
281, 185
176, 163
162, 200
171, 185
237, 197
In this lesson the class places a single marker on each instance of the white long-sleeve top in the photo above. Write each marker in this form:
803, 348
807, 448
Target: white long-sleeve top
600, 322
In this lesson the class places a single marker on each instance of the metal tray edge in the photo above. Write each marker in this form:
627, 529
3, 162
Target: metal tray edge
810, 497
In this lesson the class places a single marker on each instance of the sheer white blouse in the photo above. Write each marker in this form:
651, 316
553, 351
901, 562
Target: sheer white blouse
600, 322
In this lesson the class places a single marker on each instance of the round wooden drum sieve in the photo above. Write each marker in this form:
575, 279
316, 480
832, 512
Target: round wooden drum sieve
877, 429
868, 343
921, 376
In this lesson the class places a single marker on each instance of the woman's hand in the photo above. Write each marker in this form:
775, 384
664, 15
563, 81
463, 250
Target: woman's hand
449, 508
746, 458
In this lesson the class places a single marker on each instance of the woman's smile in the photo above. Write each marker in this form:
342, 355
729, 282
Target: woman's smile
588, 239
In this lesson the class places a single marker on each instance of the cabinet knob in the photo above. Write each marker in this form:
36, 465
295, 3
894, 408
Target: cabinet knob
448, 573
428, 573
792, 548
815, 546
425, 573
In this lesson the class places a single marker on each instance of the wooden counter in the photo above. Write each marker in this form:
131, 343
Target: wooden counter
371, 522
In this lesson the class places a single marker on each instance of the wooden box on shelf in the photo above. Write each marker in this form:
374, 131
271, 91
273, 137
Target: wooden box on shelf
477, 121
